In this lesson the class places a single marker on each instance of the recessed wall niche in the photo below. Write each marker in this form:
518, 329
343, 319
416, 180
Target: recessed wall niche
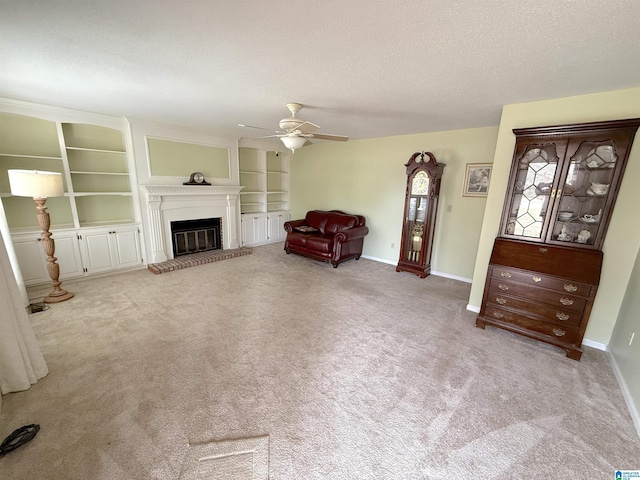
170, 158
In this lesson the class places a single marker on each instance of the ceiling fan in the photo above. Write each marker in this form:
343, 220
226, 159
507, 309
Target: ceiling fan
295, 132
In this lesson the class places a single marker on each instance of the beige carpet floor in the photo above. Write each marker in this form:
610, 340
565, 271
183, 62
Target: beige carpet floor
357, 372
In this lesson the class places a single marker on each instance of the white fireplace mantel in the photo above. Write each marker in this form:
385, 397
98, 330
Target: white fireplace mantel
170, 203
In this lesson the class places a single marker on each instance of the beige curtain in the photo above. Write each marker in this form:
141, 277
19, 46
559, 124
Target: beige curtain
21, 362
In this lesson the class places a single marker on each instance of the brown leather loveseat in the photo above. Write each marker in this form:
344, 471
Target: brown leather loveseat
330, 236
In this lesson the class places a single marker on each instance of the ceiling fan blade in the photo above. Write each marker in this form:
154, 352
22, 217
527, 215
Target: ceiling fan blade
272, 136
327, 136
307, 127
251, 126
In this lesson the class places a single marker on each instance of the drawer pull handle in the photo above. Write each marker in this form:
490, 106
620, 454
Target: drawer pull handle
537, 279
502, 286
501, 300
566, 301
543, 250
505, 274
562, 316
498, 315
558, 333
570, 288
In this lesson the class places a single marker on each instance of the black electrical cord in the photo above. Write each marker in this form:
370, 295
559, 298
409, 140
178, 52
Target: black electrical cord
18, 438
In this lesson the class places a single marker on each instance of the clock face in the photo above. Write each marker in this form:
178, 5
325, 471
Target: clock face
420, 184
198, 177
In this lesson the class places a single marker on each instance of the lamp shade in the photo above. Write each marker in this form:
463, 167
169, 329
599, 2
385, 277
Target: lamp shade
35, 183
293, 143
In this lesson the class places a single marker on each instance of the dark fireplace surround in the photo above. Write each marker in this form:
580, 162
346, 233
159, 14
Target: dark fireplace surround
193, 236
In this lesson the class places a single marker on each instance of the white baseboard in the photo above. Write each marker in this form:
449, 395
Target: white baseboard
433, 272
596, 345
473, 308
453, 277
626, 394
381, 260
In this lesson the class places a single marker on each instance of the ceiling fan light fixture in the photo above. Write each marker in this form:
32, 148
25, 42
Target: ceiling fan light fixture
293, 143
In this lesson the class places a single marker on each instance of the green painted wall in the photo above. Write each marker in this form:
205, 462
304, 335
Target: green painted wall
627, 357
367, 177
623, 237
180, 159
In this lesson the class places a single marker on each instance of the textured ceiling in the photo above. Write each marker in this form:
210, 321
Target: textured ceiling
362, 68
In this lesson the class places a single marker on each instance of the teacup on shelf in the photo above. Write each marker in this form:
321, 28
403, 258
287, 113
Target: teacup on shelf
565, 216
598, 188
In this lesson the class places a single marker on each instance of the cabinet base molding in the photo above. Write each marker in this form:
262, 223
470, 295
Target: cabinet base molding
420, 270
573, 352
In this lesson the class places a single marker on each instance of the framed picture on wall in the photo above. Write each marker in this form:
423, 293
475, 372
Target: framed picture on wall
476, 180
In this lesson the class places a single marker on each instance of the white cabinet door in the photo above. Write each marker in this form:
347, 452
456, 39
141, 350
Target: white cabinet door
254, 229
106, 250
126, 245
29, 253
33, 260
68, 255
97, 252
277, 232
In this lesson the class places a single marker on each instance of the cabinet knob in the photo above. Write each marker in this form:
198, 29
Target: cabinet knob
501, 300
537, 279
505, 274
562, 316
566, 301
543, 250
558, 333
498, 315
570, 288
502, 286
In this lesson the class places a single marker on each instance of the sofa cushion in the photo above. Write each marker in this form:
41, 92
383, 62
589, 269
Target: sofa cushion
298, 239
323, 244
336, 222
316, 219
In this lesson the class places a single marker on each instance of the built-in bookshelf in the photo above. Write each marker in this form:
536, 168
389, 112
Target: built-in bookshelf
265, 178
92, 159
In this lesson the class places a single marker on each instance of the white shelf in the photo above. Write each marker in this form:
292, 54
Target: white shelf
251, 172
124, 174
40, 157
93, 194
83, 149
255, 192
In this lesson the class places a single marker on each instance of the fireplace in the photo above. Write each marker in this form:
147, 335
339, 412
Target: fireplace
167, 204
192, 236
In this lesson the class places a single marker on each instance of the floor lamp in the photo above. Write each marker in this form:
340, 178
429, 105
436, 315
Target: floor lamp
40, 185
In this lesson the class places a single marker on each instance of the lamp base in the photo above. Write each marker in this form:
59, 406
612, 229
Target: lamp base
58, 295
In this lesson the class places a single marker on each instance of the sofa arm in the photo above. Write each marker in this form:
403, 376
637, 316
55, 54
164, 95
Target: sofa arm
351, 234
291, 224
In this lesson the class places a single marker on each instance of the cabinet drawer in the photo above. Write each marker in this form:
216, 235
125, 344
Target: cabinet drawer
579, 264
558, 316
557, 299
544, 281
561, 333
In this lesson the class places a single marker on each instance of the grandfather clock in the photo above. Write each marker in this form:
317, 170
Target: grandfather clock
424, 174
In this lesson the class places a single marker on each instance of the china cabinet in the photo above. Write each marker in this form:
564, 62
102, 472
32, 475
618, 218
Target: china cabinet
421, 204
545, 265
564, 182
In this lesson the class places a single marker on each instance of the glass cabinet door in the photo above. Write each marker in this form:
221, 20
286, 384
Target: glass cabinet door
585, 194
533, 190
